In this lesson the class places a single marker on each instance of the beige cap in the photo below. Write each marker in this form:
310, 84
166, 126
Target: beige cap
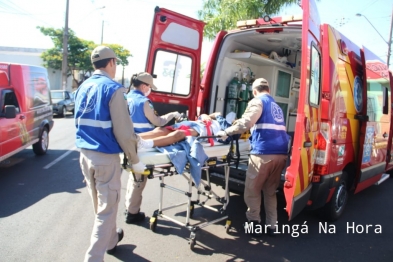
260, 82
146, 78
102, 52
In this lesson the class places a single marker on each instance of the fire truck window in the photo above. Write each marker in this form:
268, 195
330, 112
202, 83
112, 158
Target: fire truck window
173, 73
315, 77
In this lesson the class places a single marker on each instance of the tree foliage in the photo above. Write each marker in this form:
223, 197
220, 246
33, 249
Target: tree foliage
223, 14
79, 51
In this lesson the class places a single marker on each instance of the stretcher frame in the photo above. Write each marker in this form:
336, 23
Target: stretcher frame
203, 190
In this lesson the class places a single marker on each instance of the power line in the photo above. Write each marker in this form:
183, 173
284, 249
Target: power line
16, 10
369, 6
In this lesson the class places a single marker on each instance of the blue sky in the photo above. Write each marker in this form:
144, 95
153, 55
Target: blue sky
128, 22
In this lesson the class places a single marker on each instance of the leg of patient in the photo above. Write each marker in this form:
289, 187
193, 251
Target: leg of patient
173, 137
156, 132
165, 140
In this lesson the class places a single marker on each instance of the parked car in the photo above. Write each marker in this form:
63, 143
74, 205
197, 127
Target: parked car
62, 102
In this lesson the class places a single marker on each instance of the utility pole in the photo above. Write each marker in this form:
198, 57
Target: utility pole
64, 64
390, 40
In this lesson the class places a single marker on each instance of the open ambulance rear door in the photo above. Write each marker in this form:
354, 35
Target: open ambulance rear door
297, 187
174, 57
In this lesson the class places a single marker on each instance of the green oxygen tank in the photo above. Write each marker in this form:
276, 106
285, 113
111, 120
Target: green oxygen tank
249, 86
231, 99
243, 96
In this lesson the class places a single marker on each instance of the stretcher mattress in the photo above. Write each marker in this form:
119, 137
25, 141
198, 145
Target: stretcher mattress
154, 157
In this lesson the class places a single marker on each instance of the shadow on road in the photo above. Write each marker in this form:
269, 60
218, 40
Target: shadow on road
24, 181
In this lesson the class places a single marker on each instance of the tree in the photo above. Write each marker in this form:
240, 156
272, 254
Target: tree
79, 51
223, 14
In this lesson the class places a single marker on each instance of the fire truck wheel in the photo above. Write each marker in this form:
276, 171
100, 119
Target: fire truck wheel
41, 146
334, 209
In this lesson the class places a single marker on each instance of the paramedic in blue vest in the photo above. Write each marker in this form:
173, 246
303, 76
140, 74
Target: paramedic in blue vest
145, 119
103, 131
268, 155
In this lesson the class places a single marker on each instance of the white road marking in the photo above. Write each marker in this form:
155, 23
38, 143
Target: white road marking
60, 158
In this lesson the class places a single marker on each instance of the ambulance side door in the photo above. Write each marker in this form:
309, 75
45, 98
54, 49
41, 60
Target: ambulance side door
174, 57
297, 187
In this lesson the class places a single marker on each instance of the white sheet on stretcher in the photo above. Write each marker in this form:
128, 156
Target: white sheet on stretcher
154, 157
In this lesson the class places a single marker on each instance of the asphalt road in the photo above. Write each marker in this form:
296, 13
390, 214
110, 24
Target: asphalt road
46, 215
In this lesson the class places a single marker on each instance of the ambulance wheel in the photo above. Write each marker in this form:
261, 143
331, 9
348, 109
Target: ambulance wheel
41, 146
153, 224
335, 208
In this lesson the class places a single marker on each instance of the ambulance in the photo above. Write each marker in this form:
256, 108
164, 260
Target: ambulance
336, 97
25, 109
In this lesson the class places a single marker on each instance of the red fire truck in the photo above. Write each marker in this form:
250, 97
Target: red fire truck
336, 97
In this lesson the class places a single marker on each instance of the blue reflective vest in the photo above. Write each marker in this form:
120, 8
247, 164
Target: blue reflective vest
136, 101
268, 135
92, 117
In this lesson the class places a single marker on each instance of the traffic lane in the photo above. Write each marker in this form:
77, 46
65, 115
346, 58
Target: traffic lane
213, 244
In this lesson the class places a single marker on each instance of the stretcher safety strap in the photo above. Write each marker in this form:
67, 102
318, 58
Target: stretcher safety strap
209, 132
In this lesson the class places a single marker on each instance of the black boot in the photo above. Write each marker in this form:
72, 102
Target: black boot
135, 218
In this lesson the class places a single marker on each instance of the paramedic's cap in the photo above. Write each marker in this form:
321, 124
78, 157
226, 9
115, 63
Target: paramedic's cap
260, 82
146, 78
102, 52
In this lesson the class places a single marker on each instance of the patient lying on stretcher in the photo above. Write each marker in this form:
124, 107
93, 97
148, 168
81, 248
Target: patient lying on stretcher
206, 125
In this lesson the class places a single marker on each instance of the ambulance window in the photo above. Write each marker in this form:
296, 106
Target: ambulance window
375, 100
173, 73
39, 88
315, 76
8, 98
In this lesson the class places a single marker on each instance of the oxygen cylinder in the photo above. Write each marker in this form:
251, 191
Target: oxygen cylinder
243, 96
249, 86
232, 94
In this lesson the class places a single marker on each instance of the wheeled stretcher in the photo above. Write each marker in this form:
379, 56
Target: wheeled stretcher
160, 166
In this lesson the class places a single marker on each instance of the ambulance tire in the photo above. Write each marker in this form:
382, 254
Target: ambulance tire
335, 208
41, 146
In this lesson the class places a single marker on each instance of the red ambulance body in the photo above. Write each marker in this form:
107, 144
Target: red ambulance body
336, 97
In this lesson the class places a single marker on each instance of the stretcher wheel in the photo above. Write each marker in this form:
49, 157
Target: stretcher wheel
153, 224
192, 241
227, 226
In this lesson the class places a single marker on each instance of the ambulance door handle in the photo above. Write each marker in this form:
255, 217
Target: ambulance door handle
21, 117
307, 144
